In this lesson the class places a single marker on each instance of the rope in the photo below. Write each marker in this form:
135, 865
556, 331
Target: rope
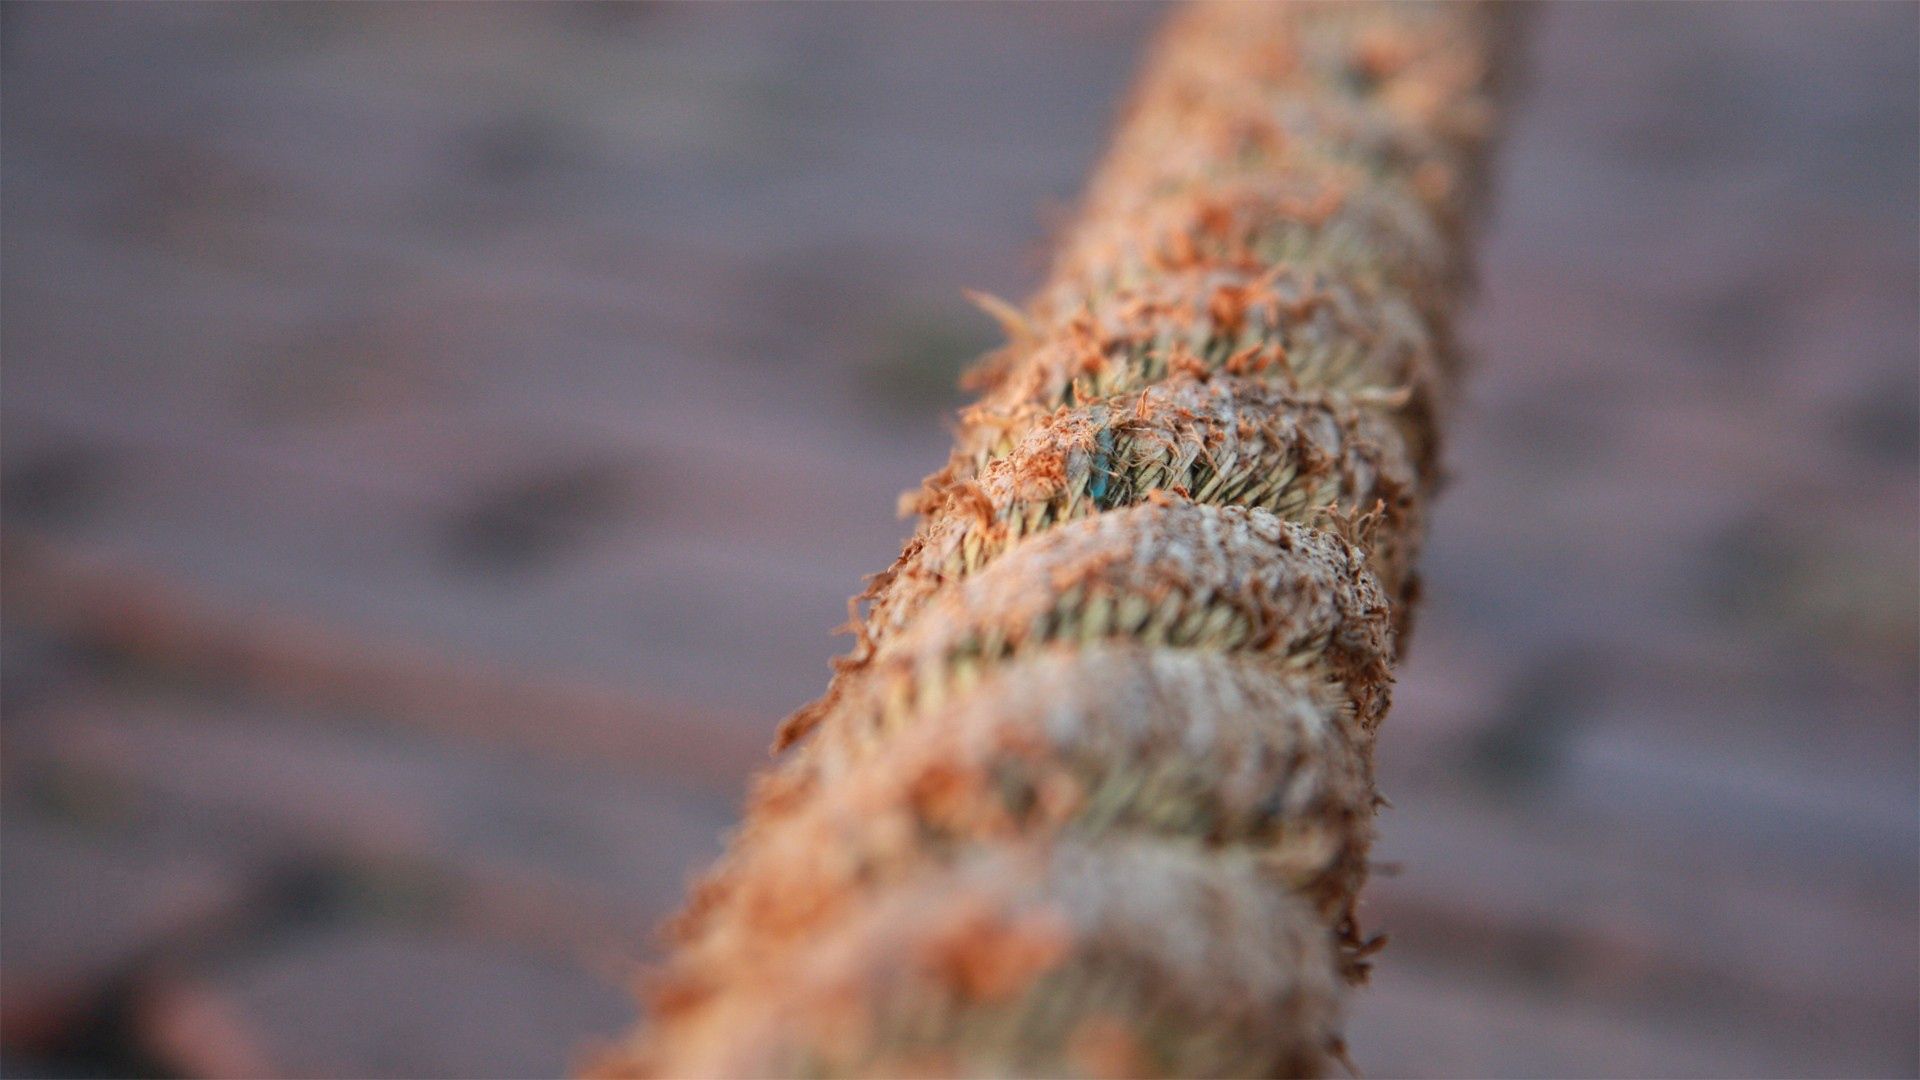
1093, 792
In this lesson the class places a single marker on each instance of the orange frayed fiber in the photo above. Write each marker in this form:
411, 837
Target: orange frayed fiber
1092, 795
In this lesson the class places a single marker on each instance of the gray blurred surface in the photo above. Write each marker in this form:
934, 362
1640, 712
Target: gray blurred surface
438, 440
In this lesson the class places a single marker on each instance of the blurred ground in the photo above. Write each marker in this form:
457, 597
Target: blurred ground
437, 441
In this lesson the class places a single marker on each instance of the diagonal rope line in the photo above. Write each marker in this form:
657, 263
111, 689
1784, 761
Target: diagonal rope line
1093, 792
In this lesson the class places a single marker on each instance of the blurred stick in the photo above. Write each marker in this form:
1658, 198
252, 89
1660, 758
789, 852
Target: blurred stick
1093, 793
148, 621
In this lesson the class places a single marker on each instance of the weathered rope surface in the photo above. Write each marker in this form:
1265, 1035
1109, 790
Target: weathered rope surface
1093, 793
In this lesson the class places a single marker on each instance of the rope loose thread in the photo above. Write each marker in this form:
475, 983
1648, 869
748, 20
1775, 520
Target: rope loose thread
1093, 792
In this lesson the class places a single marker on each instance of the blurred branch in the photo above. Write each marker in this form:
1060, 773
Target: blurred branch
159, 624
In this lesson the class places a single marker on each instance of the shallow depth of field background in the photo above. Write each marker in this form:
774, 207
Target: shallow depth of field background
438, 442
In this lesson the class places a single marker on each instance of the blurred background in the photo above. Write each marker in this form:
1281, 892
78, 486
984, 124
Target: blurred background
438, 441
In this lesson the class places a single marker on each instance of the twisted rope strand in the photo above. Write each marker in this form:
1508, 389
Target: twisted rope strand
1093, 792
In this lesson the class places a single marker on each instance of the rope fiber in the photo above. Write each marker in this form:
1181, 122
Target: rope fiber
1093, 792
